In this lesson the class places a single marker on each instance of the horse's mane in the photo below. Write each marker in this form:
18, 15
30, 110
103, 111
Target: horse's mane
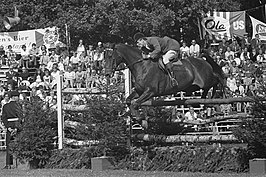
128, 48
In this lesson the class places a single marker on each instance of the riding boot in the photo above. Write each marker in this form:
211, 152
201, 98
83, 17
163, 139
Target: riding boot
169, 68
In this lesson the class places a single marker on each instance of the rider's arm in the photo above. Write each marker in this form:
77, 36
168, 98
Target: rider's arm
157, 48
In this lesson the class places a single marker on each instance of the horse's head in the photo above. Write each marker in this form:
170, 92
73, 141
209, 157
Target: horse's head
112, 62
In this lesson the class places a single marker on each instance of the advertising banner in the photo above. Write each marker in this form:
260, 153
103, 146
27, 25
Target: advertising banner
259, 28
48, 37
225, 24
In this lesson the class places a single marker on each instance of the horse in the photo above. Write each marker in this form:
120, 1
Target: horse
152, 81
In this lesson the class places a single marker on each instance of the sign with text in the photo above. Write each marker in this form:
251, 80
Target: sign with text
48, 37
225, 24
259, 28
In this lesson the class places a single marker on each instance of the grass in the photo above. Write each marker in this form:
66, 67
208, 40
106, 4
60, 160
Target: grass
111, 173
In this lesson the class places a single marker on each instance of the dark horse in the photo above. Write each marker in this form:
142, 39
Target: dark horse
152, 81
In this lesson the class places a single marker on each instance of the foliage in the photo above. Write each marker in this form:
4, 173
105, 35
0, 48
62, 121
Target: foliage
114, 20
102, 121
253, 131
37, 134
81, 158
187, 159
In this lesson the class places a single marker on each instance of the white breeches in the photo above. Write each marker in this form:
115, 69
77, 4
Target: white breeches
171, 54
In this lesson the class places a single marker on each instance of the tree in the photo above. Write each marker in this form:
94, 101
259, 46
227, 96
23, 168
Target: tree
114, 20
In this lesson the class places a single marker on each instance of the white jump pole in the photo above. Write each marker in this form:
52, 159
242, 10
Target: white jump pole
127, 82
59, 111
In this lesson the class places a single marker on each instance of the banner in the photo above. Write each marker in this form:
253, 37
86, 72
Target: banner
48, 37
259, 28
225, 24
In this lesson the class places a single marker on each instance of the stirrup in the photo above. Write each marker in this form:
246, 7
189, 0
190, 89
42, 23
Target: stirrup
174, 81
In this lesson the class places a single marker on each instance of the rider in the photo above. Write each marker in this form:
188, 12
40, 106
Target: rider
157, 46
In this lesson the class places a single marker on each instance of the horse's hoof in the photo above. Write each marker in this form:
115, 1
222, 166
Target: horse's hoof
144, 124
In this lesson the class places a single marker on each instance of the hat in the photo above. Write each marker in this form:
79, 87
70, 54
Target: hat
14, 93
138, 36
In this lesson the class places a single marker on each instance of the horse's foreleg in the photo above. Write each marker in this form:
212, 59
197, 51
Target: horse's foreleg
146, 95
132, 96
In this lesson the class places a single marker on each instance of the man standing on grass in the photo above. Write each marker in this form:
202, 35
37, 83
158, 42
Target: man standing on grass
11, 115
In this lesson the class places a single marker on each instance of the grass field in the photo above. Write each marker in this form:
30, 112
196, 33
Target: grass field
113, 173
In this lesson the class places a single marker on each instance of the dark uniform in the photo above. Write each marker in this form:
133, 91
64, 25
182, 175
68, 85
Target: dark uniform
10, 117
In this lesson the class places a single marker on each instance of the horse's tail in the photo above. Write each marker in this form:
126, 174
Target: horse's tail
217, 71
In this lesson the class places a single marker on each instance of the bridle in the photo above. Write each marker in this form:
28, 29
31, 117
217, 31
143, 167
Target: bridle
129, 65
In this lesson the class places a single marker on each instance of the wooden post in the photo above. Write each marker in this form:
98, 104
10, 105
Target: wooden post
59, 111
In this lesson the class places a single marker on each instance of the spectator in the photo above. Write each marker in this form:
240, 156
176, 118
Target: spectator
2, 55
184, 48
61, 64
235, 47
228, 53
11, 56
54, 56
79, 77
65, 58
50, 64
255, 42
81, 48
33, 54
253, 55
82, 60
39, 92
24, 61
54, 74
24, 77
260, 57
44, 58
194, 48
47, 80
226, 69
37, 79
245, 42
231, 83
90, 53
191, 115
69, 77
44, 50
5, 100
245, 55
11, 77
220, 56
98, 58
2, 91
74, 60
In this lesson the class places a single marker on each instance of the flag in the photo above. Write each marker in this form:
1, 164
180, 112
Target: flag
259, 28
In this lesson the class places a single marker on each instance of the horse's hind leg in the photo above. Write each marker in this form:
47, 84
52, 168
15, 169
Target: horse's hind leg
205, 93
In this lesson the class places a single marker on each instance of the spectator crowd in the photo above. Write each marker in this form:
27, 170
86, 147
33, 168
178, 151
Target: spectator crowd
243, 61
33, 71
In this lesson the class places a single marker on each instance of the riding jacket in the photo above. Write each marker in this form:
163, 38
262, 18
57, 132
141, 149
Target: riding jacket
159, 46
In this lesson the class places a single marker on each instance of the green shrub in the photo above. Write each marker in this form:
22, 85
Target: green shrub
253, 131
35, 140
187, 159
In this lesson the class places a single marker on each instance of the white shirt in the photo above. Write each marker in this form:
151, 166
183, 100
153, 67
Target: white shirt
194, 49
184, 49
24, 53
74, 60
189, 116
